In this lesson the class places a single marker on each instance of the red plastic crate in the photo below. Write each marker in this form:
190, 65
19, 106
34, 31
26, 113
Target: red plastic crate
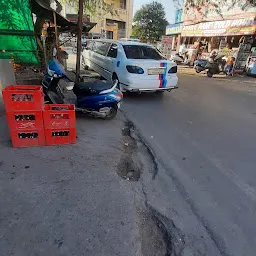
20, 120
60, 136
23, 97
28, 138
59, 116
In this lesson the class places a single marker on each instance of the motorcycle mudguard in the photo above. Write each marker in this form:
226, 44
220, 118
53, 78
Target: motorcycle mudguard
95, 102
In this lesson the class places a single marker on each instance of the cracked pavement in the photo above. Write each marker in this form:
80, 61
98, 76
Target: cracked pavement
203, 139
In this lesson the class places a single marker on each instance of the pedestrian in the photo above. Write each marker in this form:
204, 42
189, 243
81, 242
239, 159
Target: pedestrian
229, 65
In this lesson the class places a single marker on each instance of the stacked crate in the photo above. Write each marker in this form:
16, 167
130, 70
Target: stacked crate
24, 112
60, 124
31, 123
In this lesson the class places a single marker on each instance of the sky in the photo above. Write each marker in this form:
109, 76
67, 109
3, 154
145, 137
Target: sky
168, 5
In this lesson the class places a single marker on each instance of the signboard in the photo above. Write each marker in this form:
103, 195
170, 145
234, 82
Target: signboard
218, 10
243, 53
74, 18
221, 28
166, 40
173, 29
178, 16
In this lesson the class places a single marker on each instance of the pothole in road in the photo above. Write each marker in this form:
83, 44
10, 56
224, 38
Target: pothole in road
155, 240
129, 167
158, 235
131, 164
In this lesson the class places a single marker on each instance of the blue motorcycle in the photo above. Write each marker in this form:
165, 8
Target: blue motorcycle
98, 98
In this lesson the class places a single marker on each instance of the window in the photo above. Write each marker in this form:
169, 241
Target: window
142, 52
113, 51
123, 4
101, 47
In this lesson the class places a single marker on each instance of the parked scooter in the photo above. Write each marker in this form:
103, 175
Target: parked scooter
98, 98
177, 58
199, 65
215, 65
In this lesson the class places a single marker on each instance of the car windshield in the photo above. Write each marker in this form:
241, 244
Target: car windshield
142, 52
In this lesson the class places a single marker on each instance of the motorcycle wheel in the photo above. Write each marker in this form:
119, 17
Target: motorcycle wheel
197, 70
111, 114
54, 98
209, 74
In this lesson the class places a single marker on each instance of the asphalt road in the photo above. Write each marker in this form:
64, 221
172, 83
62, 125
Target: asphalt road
203, 136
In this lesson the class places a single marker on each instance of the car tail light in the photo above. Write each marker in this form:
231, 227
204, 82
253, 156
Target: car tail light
173, 70
134, 69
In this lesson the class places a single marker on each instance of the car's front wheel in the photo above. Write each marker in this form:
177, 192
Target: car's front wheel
84, 66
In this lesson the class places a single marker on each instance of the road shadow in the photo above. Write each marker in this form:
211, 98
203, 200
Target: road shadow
145, 96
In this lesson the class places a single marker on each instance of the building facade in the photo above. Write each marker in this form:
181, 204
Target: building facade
111, 26
229, 28
174, 30
214, 23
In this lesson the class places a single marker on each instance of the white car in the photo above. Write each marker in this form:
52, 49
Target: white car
137, 66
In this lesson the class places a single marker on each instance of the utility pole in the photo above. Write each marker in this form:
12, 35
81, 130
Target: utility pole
56, 35
79, 38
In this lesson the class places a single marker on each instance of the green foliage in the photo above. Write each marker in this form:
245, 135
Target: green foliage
150, 22
93, 7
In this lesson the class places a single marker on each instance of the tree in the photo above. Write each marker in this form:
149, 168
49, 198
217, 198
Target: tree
150, 22
92, 7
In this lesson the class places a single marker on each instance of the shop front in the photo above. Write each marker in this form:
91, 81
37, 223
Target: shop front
174, 31
230, 37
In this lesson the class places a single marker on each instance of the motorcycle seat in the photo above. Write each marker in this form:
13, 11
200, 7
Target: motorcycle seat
91, 87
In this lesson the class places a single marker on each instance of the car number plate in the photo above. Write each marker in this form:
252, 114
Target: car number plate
156, 71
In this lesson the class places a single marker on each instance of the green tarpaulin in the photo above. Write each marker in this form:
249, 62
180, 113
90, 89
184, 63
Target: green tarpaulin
17, 40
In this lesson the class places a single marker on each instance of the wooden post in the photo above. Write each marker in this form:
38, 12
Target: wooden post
56, 35
79, 38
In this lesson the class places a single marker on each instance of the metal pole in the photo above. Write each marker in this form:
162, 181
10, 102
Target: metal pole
79, 38
44, 49
56, 35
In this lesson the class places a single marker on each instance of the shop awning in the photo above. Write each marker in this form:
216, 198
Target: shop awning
44, 10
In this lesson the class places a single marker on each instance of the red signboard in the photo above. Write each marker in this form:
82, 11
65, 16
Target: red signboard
221, 28
166, 40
